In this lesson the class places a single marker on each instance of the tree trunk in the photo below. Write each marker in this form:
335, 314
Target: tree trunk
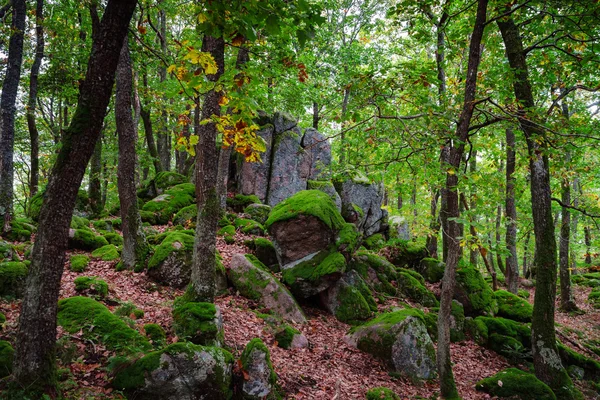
432, 238
135, 247
207, 160
546, 359
95, 188
163, 138
316, 117
525, 253
499, 240
587, 237
447, 385
149, 133
512, 267
343, 148
10, 88
474, 250
34, 367
574, 228
32, 101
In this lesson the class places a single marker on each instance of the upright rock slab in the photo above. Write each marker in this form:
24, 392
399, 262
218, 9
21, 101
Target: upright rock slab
254, 177
361, 202
317, 155
286, 178
261, 379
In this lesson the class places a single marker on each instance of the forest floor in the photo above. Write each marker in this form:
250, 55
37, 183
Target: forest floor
327, 369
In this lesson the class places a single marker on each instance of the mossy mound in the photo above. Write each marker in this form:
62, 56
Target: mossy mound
13, 275
285, 336
186, 216
312, 276
79, 262
432, 269
177, 241
249, 226
99, 324
258, 212
91, 286
513, 383
85, 239
415, 291
79, 222
114, 238
473, 292
506, 337
590, 367
376, 271
350, 299
374, 242
129, 310
110, 252
170, 202
594, 297
171, 262
524, 294
105, 225
240, 201
156, 334
179, 371
7, 354
166, 179
381, 393
21, 230
348, 240
198, 323
307, 202
404, 253
457, 322
7, 252
513, 307
228, 230
260, 379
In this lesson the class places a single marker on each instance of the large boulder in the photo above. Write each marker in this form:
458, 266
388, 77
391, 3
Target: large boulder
165, 206
400, 339
326, 187
171, 262
254, 176
473, 292
286, 178
13, 275
513, 383
303, 224
361, 202
349, 299
513, 307
252, 279
375, 270
314, 274
316, 156
260, 380
180, 371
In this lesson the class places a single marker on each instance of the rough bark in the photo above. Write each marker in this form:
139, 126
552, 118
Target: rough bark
343, 146
32, 101
474, 250
35, 358
574, 226
587, 237
316, 117
149, 133
163, 137
525, 254
95, 188
512, 267
546, 360
207, 159
10, 88
447, 385
135, 247
432, 238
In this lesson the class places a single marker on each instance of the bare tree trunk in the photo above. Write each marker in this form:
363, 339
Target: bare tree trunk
316, 117
95, 188
343, 148
512, 267
149, 133
474, 252
135, 247
163, 138
34, 365
587, 237
525, 253
10, 88
574, 227
444, 364
434, 225
499, 240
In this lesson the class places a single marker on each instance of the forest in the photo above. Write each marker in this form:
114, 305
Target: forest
311, 199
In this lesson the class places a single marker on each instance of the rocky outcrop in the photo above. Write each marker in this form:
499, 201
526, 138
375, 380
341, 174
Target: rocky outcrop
254, 177
361, 202
316, 157
259, 378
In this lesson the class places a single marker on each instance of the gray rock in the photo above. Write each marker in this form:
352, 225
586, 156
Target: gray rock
286, 179
253, 178
258, 212
314, 273
176, 269
184, 371
368, 197
253, 280
349, 299
326, 187
283, 122
260, 379
317, 155
401, 340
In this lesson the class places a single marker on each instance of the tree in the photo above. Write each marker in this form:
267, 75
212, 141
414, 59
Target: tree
34, 366
512, 266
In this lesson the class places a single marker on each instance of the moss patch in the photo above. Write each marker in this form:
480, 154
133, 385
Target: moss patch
285, 335
173, 242
513, 307
110, 252
381, 393
348, 239
85, 239
7, 354
415, 291
473, 292
129, 310
114, 238
91, 285
404, 253
167, 179
515, 384
375, 242
169, 203
249, 226
186, 216
312, 270
196, 323
79, 262
12, 278
432, 269
240, 201
156, 334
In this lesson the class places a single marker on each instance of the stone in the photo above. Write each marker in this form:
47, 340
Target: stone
314, 274
286, 179
283, 122
326, 187
401, 340
361, 203
375, 270
253, 178
317, 155
259, 379
198, 322
473, 292
180, 371
258, 212
513, 383
252, 279
171, 263
288, 337
349, 299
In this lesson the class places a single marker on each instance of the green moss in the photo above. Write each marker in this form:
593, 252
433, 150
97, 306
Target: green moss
313, 270
381, 393
307, 202
412, 273
257, 345
594, 298
240, 201
353, 308
99, 324
432, 269
358, 210
7, 354
156, 334
513, 307
85, 239
471, 284
415, 291
196, 323
258, 212
129, 310
20, 230
570, 357
388, 320
174, 242
477, 330
348, 239
285, 335
91, 285
167, 179
170, 202
507, 328
250, 283
187, 216
79, 222
249, 226
404, 253
524, 294
35, 205
103, 225
110, 252
228, 230
385, 271
157, 239
229, 239
431, 323
265, 252
12, 278
516, 384
114, 238
6, 252
2, 320
375, 242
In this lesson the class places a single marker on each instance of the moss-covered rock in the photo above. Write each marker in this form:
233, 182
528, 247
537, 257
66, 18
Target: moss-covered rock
457, 322
85, 239
590, 367
594, 297
79, 222
328, 188
110, 252
307, 202
170, 202
171, 262
241, 201
13, 275
129, 310
2, 320
260, 379
7, 252
288, 337
79, 262
404, 253
20, 230
7, 354
348, 240
167, 179
349, 299
91, 286
187, 216
432, 269
258, 212
513, 307
35, 205
105, 225
415, 291
473, 292
179, 371
507, 337
524, 294
513, 383
156, 334
265, 252
199, 323
253, 280
99, 324
400, 339
310, 277
376, 271
114, 238
381, 393
374, 242
249, 226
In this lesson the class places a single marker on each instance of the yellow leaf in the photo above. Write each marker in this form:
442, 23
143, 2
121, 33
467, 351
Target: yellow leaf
171, 68
202, 18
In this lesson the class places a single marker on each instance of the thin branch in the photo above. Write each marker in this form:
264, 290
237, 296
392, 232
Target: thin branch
582, 211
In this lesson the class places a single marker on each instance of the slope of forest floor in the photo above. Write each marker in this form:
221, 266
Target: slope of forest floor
327, 369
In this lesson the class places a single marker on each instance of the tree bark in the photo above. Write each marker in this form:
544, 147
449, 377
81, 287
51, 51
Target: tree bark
525, 253
343, 146
512, 267
587, 237
432, 238
135, 247
163, 139
34, 365
207, 160
473, 253
95, 188
455, 155
149, 133
32, 101
10, 88
546, 360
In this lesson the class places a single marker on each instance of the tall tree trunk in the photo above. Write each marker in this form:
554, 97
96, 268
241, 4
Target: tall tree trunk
95, 188
135, 247
207, 160
434, 225
149, 133
587, 237
474, 250
447, 385
512, 267
10, 88
525, 253
574, 227
182, 156
163, 138
32, 101
316, 117
499, 240
343, 146
546, 359
34, 367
